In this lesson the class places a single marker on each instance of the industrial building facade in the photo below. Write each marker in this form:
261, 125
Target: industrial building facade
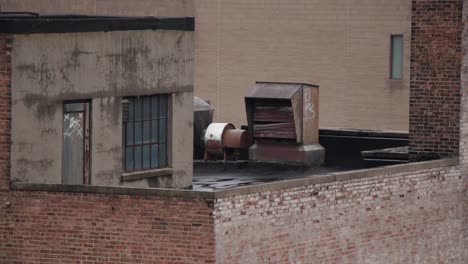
348, 48
411, 213
101, 106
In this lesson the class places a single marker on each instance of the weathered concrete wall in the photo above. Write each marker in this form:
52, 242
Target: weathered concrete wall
104, 66
343, 46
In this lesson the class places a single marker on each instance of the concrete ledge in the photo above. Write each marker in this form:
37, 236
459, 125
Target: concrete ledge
277, 185
337, 176
22, 186
138, 175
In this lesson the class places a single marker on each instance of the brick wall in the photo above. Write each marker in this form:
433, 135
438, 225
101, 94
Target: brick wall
341, 45
5, 110
44, 227
409, 217
436, 54
464, 121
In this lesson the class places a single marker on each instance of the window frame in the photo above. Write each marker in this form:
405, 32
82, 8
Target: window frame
153, 118
391, 73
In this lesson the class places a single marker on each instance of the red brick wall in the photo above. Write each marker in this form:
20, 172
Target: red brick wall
435, 78
5, 109
411, 217
41, 227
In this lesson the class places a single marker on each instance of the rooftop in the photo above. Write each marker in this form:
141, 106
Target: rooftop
217, 175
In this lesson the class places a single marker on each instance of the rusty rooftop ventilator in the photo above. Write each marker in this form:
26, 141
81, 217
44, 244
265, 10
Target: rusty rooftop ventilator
283, 120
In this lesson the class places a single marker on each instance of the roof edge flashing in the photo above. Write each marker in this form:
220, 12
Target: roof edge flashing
81, 23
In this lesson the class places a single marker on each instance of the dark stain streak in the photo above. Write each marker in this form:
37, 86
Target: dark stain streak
179, 41
110, 110
39, 72
125, 67
64, 73
41, 105
49, 131
72, 63
31, 68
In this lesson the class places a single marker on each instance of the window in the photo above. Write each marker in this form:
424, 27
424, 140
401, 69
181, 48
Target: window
145, 132
76, 145
396, 57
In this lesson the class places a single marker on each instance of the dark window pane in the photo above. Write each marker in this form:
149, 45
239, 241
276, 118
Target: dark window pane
146, 157
129, 133
131, 105
146, 132
146, 108
154, 156
162, 130
138, 133
138, 109
73, 107
129, 158
155, 107
154, 131
138, 159
163, 106
162, 155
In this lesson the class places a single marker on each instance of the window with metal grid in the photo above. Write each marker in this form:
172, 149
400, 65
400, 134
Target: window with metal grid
145, 132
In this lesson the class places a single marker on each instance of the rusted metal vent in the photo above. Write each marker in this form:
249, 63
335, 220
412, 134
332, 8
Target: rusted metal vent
283, 119
283, 111
273, 119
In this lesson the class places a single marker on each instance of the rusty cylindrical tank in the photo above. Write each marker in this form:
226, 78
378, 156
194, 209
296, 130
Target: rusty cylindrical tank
224, 139
214, 137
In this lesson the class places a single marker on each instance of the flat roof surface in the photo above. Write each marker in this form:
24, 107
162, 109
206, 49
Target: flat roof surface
217, 175
30, 23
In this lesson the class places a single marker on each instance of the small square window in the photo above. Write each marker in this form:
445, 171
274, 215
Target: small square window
145, 132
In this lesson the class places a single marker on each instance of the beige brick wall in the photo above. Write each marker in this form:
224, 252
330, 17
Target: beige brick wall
341, 45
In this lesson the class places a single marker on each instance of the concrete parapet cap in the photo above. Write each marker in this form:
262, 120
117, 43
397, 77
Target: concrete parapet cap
277, 185
182, 193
